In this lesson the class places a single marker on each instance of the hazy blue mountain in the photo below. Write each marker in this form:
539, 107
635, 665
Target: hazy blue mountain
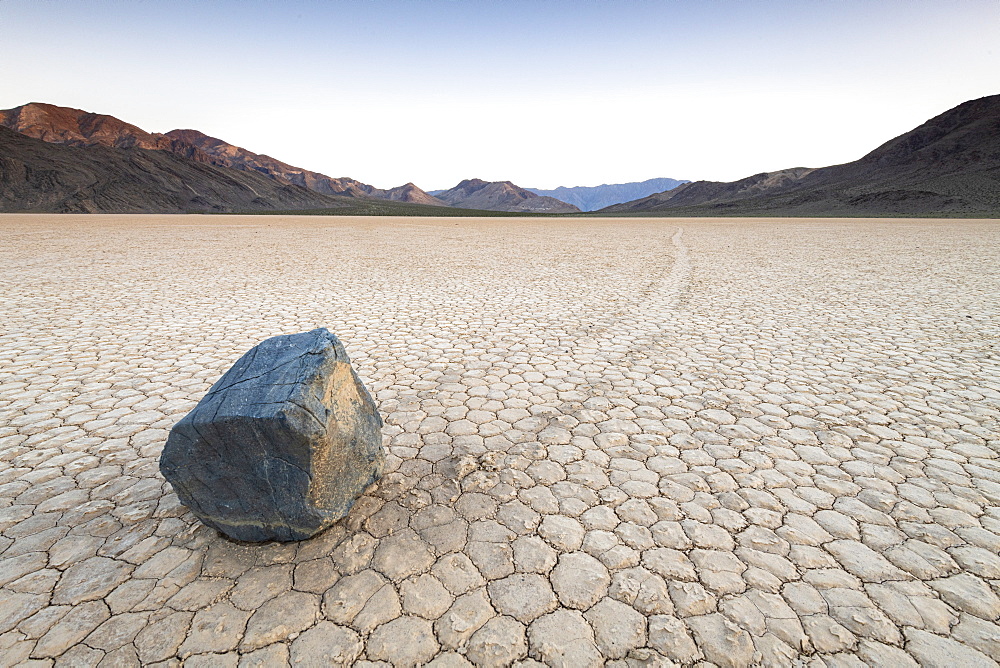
591, 198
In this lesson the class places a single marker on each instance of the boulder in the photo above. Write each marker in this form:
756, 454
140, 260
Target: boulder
281, 446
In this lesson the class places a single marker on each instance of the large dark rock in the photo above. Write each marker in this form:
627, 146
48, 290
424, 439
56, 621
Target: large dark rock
282, 445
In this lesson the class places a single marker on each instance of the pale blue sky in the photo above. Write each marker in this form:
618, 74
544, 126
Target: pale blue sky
541, 92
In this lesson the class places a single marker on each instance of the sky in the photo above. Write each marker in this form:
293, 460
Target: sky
539, 92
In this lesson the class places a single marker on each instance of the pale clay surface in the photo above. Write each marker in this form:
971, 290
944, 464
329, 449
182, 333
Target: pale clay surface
627, 442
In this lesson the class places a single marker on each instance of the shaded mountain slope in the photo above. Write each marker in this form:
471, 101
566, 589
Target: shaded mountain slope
37, 176
501, 196
592, 198
949, 165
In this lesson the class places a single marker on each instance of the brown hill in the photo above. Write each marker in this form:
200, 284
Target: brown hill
37, 176
75, 127
501, 196
412, 194
948, 166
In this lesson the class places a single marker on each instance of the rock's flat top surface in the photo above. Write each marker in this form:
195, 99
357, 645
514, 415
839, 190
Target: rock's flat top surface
732, 441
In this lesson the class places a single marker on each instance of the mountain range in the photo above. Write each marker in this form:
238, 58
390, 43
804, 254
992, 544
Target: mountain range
592, 198
75, 127
117, 188
947, 166
58, 159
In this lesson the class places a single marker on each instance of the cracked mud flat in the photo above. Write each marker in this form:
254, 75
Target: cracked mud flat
635, 442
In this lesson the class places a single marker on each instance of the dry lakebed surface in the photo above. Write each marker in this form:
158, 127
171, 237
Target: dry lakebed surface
636, 442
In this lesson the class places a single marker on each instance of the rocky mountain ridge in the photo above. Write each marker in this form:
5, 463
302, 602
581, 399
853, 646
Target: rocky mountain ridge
501, 196
411, 193
223, 153
949, 165
38, 176
75, 127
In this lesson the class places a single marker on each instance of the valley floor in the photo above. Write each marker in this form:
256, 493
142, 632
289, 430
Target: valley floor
628, 441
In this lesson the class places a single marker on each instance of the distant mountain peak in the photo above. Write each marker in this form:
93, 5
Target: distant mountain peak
501, 196
409, 192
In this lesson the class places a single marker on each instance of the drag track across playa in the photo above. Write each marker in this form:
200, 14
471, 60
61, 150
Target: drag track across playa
638, 442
